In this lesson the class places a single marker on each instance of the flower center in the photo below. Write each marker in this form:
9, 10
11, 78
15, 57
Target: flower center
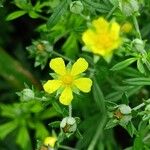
67, 79
105, 40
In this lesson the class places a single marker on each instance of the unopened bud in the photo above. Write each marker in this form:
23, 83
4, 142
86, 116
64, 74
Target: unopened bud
68, 125
27, 95
139, 45
76, 7
125, 109
128, 7
126, 27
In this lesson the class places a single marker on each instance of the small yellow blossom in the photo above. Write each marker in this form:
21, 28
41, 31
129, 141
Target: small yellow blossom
126, 27
50, 141
68, 79
103, 37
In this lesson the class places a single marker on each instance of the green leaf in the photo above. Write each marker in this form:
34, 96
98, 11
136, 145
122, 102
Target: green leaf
117, 95
33, 14
131, 129
123, 64
15, 15
23, 4
6, 128
70, 46
140, 66
58, 12
49, 113
98, 96
125, 99
54, 124
138, 144
111, 123
78, 134
97, 6
23, 138
41, 131
57, 107
138, 81
114, 2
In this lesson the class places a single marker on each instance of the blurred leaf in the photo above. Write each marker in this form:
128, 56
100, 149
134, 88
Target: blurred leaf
23, 138
14, 73
125, 99
58, 12
54, 124
117, 95
41, 131
70, 46
97, 6
15, 15
123, 64
33, 14
140, 66
98, 96
138, 144
138, 81
111, 123
131, 129
58, 109
22, 4
6, 128
49, 113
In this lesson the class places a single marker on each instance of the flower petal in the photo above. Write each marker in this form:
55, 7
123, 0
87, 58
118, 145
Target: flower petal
58, 65
66, 96
79, 66
52, 85
101, 25
84, 84
115, 30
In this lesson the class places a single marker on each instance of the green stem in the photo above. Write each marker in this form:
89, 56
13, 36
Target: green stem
60, 55
141, 105
137, 26
110, 13
70, 110
87, 18
42, 17
66, 147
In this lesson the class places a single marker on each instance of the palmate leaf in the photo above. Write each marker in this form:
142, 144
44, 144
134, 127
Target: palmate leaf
14, 73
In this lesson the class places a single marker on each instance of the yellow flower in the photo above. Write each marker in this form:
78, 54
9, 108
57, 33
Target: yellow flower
50, 141
68, 79
126, 27
103, 37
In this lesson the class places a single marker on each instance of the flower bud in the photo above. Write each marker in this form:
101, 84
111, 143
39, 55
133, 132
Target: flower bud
68, 125
128, 7
50, 141
76, 7
26, 95
139, 45
125, 109
126, 27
